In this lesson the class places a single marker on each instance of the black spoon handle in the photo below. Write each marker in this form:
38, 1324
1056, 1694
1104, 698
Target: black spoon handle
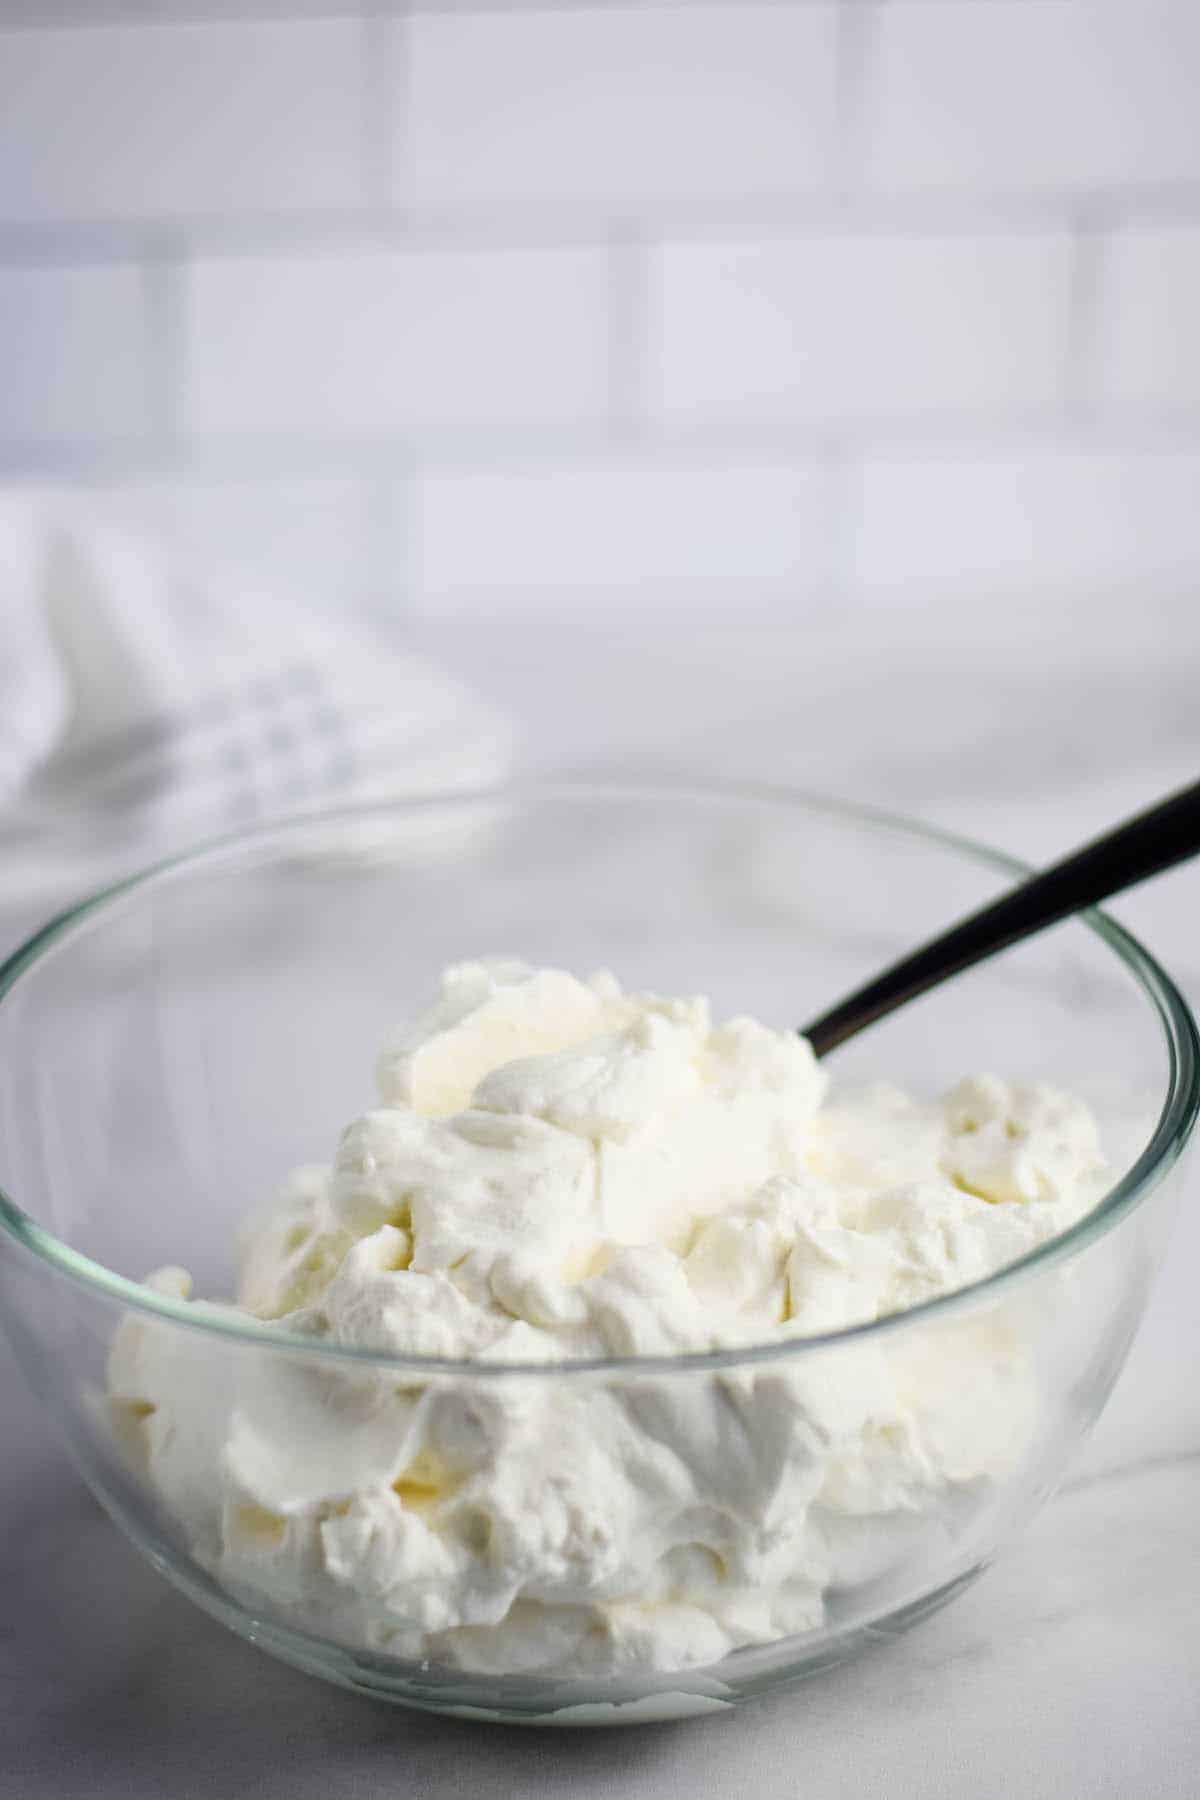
1145, 845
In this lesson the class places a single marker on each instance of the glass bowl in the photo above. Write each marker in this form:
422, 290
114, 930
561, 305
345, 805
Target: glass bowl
172, 1048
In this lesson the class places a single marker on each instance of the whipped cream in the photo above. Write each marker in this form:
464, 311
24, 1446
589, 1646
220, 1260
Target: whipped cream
559, 1170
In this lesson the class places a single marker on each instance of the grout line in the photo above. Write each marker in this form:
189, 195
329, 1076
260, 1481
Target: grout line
749, 217
162, 289
484, 7
629, 347
857, 35
510, 448
406, 525
1081, 375
843, 484
75, 246
382, 57
36, 15
70, 14
384, 547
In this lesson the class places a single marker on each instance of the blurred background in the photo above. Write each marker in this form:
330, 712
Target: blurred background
806, 389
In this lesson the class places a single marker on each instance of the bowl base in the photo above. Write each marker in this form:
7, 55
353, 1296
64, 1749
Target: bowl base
530, 1700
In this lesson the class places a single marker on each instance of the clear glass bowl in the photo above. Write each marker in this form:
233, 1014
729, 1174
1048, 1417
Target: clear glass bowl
172, 1048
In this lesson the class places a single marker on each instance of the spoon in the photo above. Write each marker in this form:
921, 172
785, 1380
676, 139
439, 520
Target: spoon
1145, 845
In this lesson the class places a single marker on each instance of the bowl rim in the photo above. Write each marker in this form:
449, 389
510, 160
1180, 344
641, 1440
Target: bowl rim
1176, 1120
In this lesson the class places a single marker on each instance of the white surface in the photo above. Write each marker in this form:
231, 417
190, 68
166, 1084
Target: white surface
1072, 1669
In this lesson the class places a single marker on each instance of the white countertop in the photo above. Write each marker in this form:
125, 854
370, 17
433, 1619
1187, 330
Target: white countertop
1072, 1668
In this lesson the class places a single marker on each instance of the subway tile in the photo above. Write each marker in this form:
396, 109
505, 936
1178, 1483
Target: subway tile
376, 342
148, 121
654, 531
73, 355
854, 327
1082, 516
1064, 93
1147, 351
73, 12
617, 109
251, 9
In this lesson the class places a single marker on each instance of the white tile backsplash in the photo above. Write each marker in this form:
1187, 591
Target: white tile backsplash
73, 355
132, 121
851, 326
1082, 517
614, 109
574, 536
1148, 334
449, 303
376, 343
1010, 95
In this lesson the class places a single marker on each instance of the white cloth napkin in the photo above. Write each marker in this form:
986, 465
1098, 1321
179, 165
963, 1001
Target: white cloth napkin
141, 711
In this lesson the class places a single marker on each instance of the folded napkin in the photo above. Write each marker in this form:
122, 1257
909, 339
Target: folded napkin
141, 711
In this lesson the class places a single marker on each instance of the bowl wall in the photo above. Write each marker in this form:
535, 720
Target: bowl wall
170, 1054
